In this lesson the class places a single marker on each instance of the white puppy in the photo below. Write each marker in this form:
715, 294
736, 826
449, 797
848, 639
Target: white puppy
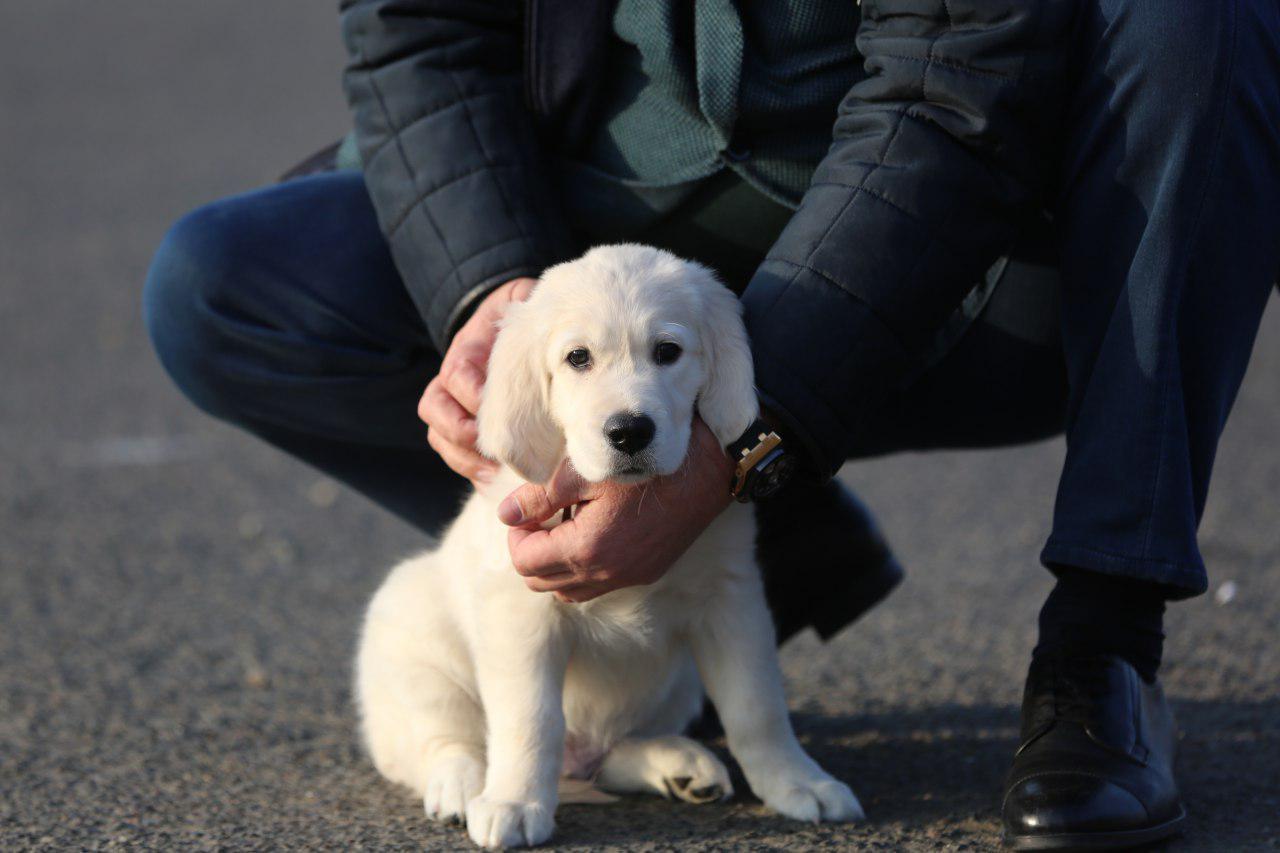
478, 693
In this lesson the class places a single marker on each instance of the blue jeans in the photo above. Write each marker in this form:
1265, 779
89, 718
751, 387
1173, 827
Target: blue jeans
1129, 326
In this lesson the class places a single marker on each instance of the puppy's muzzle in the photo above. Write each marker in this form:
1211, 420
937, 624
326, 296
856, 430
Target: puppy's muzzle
629, 432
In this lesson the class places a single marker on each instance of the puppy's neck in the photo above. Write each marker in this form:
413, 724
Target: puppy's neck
504, 483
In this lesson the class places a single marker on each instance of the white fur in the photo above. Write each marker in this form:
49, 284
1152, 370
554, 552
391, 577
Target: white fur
478, 693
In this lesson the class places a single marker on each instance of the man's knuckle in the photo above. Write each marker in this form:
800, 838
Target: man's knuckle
588, 555
534, 502
444, 447
457, 370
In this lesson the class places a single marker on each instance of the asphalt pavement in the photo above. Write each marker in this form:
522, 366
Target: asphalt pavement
178, 603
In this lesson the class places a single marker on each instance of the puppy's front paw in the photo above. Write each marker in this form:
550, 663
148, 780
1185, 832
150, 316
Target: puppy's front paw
452, 782
496, 824
814, 799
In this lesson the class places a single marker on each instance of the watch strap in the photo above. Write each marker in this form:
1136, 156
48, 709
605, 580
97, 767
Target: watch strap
757, 445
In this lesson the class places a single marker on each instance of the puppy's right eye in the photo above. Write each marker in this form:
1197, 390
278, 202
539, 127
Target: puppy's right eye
578, 358
666, 352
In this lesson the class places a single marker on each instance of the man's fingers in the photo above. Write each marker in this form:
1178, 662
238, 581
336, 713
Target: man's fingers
466, 363
444, 415
534, 504
538, 552
425, 401
581, 592
481, 330
462, 460
521, 289
490, 311
465, 382
552, 582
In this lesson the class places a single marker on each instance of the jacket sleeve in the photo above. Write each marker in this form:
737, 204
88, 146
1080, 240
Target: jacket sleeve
936, 155
450, 156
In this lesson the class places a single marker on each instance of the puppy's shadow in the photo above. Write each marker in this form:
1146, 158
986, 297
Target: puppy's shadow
938, 769
933, 776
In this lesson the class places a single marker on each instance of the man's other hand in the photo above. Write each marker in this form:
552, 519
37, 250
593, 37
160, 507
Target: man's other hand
449, 405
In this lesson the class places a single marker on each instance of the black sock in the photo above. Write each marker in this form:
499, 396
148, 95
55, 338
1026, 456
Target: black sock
1092, 613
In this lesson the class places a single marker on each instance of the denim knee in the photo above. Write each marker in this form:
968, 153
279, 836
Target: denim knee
191, 269
1171, 50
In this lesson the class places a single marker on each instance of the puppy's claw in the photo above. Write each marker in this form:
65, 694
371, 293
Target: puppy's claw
497, 824
680, 788
706, 794
452, 783
815, 801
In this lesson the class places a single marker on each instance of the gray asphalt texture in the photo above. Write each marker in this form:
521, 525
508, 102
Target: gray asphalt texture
178, 604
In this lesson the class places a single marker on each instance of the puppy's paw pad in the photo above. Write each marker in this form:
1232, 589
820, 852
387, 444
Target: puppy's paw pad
499, 824
683, 788
825, 800
452, 783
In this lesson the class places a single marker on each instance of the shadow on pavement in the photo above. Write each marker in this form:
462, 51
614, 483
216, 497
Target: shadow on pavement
937, 774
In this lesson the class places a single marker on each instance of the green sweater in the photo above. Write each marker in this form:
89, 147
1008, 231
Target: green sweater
697, 86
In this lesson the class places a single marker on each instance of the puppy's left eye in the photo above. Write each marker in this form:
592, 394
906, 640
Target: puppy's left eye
666, 352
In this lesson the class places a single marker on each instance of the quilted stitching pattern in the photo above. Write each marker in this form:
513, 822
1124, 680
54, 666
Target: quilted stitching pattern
450, 155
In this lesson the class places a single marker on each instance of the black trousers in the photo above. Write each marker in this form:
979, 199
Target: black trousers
280, 311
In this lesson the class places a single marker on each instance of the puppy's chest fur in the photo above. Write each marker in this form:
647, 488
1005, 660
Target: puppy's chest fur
637, 621
629, 666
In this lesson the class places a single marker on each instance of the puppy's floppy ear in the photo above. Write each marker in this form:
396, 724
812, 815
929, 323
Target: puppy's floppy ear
727, 401
514, 422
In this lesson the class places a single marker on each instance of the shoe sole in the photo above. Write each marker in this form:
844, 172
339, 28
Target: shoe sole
1097, 840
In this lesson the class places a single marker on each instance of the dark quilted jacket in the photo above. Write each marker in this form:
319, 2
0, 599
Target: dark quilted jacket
937, 157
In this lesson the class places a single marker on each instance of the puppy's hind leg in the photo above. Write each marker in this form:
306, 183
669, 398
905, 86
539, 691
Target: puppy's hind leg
453, 776
672, 766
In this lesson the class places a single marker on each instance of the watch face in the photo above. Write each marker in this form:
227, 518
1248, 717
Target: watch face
772, 477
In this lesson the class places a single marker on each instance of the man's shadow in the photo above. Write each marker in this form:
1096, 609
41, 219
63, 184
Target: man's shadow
936, 775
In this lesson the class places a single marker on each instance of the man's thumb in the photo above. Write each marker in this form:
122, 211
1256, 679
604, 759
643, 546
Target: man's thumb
534, 504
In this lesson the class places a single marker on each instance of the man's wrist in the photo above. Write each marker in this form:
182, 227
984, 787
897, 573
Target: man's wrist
797, 441
469, 304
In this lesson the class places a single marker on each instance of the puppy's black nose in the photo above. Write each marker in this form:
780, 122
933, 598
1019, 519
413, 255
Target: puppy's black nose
628, 432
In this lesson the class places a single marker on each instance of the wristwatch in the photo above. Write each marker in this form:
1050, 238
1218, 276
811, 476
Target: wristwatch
763, 464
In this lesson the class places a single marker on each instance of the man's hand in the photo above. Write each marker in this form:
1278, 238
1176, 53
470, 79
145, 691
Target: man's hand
619, 535
450, 403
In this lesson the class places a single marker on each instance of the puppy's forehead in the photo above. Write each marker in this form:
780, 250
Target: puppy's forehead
618, 297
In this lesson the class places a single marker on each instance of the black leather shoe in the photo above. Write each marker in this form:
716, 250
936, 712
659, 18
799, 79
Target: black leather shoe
825, 561
1095, 768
